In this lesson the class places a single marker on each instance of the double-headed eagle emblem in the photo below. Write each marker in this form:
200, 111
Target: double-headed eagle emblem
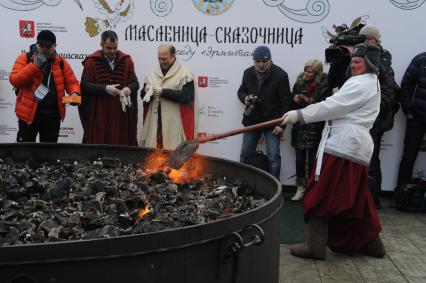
122, 11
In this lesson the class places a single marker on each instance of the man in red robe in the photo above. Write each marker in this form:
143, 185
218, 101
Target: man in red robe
109, 95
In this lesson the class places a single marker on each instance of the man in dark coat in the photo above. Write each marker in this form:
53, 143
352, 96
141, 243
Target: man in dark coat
109, 95
265, 90
389, 105
413, 103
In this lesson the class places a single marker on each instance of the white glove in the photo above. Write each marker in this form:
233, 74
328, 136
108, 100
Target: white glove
148, 93
157, 90
124, 102
291, 118
127, 92
129, 101
113, 90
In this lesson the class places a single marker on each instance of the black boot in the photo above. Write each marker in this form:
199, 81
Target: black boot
375, 248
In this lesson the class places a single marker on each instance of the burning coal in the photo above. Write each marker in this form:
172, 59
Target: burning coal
51, 202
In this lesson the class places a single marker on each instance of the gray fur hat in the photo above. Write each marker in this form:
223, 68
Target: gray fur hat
370, 30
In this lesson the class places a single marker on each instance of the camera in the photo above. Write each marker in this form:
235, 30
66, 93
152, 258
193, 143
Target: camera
254, 101
305, 93
344, 36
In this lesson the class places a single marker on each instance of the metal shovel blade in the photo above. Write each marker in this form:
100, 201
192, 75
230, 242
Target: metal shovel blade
181, 154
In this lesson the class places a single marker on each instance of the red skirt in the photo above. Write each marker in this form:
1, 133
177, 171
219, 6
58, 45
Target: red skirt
342, 196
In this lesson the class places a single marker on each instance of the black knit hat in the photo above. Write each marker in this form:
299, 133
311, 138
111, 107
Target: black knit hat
262, 52
370, 53
46, 37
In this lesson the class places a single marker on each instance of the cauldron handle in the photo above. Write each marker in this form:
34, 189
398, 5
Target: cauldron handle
234, 243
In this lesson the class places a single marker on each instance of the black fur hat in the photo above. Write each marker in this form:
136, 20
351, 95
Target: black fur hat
370, 53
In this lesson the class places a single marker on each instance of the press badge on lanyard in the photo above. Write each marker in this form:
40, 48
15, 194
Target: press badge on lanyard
41, 92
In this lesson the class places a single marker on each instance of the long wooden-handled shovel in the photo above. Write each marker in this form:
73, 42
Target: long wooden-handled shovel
187, 148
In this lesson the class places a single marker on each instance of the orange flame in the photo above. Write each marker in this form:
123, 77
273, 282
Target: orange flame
142, 213
193, 169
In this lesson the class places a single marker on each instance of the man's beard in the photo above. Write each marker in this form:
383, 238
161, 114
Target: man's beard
262, 70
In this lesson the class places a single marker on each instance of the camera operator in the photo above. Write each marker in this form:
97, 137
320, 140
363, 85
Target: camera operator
389, 105
265, 90
338, 55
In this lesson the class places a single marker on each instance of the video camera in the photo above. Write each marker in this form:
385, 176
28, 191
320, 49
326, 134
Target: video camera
344, 36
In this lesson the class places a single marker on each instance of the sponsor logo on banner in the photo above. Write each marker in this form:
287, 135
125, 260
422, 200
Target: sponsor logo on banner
216, 82
4, 75
7, 130
67, 132
203, 81
213, 7
202, 111
211, 111
111, 13
211, 82
27, 29
5, 104
50, 26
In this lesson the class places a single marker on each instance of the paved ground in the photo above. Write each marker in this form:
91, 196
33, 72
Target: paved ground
404, 236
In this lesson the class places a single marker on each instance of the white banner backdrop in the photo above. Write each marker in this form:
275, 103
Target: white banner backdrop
215, 40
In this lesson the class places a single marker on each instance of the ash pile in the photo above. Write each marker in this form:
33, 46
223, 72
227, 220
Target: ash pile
63, 201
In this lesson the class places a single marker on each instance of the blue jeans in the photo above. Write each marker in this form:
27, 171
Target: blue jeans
413, 139
250, 140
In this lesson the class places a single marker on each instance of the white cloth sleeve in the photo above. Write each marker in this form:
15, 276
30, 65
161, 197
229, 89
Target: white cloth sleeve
353, 94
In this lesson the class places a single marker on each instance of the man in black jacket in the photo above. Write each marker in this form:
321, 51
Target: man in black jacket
413, 103
389, 105
265, 90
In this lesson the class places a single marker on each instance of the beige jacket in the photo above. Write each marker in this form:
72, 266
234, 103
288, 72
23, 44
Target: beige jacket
172, 127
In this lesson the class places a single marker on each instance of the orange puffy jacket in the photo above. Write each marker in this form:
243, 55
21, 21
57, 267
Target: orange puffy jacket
27, 77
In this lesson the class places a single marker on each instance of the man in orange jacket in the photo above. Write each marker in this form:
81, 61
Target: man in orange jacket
42, 81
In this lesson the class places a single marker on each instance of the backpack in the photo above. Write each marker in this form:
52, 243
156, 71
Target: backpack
412, 197
29, 55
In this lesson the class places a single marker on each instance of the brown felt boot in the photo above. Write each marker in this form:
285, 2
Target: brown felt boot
316, 242
375, 248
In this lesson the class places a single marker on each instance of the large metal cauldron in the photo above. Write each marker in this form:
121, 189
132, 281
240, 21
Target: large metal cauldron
230, 250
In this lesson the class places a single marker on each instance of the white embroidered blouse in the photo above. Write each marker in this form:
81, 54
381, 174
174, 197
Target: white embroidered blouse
350, 114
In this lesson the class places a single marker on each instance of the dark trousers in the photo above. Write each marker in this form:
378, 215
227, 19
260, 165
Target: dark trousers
374, 170
47, 125
304, 161
414, 134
